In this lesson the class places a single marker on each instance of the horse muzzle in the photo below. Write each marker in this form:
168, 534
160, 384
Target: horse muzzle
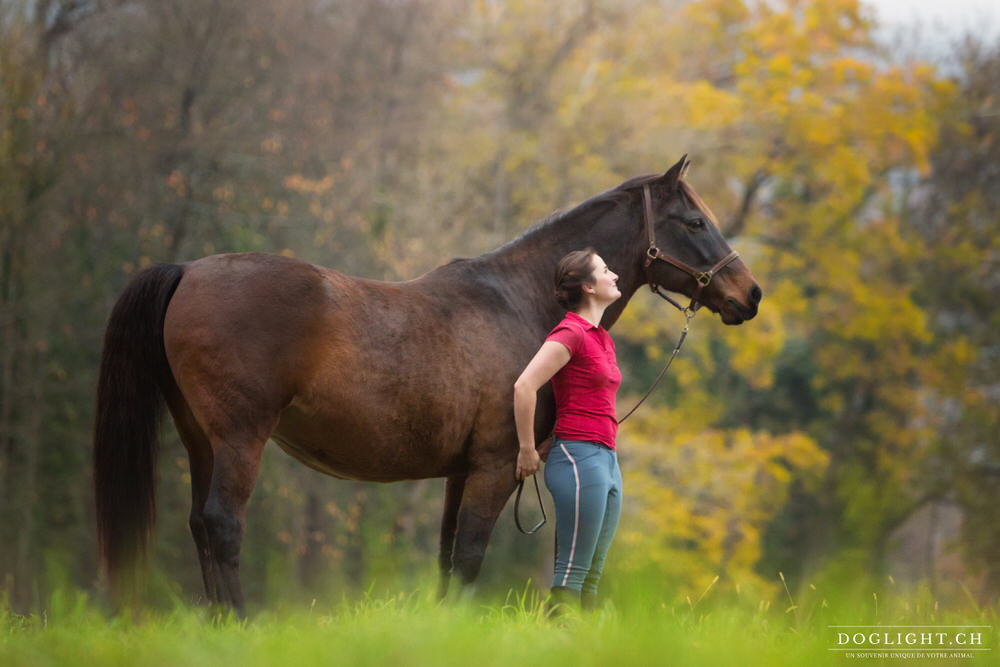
736, 311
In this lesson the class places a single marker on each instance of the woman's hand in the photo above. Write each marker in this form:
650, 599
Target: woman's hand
527, 463
551, 356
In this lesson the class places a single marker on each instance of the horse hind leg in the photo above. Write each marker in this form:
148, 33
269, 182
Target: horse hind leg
200, 458
449, 522
235, 467
227, 442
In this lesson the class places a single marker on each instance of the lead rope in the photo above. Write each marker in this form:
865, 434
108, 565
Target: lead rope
688, 316
517, 502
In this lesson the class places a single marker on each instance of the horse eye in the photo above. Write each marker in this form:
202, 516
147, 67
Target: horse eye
697, 223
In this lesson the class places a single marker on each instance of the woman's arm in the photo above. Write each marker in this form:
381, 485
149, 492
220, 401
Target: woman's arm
547, 361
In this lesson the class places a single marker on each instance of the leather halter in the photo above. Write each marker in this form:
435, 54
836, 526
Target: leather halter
703, 278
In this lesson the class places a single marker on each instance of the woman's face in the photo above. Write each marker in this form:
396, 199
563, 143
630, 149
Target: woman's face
604, 283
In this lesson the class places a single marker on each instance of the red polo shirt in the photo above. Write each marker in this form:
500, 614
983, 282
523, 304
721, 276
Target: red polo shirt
585, 387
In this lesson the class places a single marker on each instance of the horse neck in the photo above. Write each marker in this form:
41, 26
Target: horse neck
614, 230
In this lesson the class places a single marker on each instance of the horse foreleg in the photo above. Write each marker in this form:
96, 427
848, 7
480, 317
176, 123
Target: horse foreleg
483, 499
449, 521
234, 473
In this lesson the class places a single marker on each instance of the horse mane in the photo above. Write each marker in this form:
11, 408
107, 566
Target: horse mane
620, 194
617, 195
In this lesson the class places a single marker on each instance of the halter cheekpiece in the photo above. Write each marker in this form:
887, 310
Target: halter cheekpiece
703, 278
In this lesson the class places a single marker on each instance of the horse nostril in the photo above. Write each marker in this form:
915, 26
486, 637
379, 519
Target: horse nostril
756, 294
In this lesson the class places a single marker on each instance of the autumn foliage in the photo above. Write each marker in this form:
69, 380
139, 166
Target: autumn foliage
384, 138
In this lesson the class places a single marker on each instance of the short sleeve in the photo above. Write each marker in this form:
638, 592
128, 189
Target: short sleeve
568, 335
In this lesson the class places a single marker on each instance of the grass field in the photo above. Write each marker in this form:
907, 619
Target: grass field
638, 628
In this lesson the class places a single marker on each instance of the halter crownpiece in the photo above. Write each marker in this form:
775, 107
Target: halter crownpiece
703, 278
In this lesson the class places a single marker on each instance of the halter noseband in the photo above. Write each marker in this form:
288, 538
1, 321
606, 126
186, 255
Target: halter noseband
703, 278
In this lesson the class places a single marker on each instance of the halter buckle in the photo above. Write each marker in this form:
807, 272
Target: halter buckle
704, 278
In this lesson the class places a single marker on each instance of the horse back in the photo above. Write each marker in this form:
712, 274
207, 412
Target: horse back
357, 378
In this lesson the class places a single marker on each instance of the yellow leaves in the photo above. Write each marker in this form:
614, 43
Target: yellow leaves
717, 15
754, 349
708, 106
849, 70
962, 352
820, 132
699, 499
780, 65
521, 150
876, 311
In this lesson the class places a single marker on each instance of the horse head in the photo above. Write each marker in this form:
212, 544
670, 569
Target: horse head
687, 253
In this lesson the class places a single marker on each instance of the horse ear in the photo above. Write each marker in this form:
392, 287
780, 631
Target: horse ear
676, 173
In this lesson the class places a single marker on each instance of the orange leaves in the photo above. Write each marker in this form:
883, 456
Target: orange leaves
177, 183
302, 185
130, 115
271, 145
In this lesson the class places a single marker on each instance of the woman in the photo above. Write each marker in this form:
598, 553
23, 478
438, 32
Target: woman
581, 472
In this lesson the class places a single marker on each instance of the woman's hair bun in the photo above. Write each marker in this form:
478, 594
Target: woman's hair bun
572, 272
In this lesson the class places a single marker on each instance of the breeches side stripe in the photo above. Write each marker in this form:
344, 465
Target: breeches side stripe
576, 518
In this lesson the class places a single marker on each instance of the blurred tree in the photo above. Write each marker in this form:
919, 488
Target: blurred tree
953, 212
37, 124
701, 503
809, 130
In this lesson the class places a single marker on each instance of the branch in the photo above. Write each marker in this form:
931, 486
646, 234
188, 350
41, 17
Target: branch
735, 228
527, 94
66, 17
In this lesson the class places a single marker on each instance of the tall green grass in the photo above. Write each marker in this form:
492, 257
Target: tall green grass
637, 625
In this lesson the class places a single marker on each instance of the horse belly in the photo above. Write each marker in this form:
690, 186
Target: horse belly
358, 445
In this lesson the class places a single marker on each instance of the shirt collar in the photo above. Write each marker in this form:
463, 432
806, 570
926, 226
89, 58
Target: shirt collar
582, 320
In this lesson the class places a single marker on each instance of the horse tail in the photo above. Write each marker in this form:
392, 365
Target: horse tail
129, 406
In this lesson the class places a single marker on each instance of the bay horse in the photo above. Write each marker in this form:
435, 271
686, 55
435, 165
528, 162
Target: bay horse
362, 379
